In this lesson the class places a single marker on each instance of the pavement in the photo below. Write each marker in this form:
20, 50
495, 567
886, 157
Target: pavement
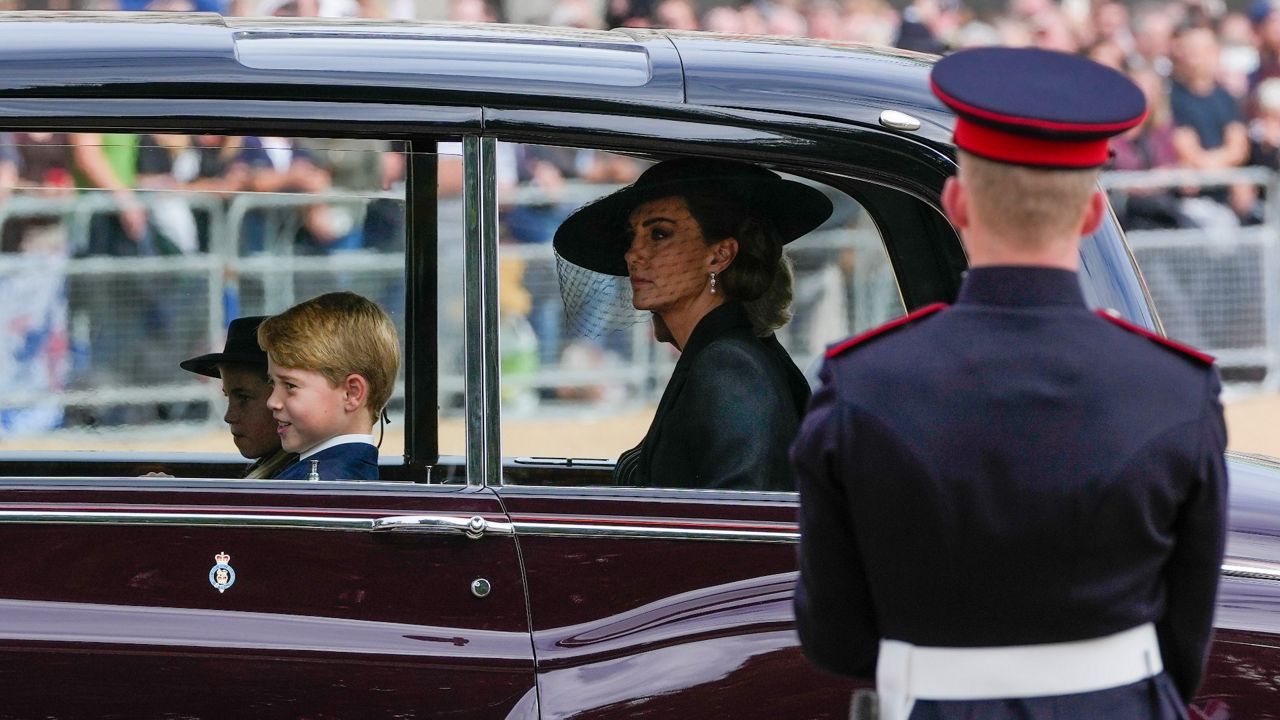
1253, 424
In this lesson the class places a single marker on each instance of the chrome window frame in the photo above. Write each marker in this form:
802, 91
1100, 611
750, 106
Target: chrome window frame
482, 403
407, 122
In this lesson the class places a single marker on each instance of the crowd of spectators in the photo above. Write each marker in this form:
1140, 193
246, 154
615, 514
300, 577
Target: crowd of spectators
1212, 75
1206, 66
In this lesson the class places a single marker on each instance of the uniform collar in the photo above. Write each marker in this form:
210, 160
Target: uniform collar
1020, 286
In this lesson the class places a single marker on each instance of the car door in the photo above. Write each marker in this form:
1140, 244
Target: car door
677, 602
653, 602
190, 595
1246, 655
374, 600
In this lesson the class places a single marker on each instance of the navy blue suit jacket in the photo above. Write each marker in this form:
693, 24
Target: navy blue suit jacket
348, 461
1011, 470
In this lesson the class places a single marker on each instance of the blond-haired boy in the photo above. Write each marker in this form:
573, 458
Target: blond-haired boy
332, 361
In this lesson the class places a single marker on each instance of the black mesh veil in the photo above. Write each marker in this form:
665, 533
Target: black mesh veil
595, 303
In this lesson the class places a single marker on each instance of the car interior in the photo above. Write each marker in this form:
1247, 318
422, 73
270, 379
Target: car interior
249, 225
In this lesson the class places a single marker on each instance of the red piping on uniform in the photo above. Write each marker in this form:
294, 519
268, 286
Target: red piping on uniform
910, 317
1106, 128
1138, 329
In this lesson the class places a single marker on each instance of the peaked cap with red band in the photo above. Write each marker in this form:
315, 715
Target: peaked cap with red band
1034, 107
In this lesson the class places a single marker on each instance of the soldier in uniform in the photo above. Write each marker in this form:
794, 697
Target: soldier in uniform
1014, 507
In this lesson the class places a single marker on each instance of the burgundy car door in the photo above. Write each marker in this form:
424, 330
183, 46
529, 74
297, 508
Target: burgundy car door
658, 603
666, 604
221, 599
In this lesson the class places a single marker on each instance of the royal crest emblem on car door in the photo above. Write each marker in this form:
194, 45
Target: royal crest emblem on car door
222, 575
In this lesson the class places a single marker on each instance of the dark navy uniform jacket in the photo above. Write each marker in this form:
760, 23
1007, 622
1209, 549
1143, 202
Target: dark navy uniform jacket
348, 461
1014, 469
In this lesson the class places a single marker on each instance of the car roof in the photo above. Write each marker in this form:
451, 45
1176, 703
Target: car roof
70, 54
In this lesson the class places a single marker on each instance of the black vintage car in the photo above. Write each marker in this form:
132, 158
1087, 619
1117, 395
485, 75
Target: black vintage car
181, 170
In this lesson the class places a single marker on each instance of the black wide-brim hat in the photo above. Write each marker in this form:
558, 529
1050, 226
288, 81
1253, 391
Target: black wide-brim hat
594, 237
241, 348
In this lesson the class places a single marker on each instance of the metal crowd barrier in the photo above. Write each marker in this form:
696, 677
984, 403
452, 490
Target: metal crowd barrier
115, 367
1216, 288
1215, 285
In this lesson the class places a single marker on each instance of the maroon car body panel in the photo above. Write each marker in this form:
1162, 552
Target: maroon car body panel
629, 623
1240, 682
651, 626
318, 623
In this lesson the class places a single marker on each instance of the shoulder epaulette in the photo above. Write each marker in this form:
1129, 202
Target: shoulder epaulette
890, 326
1187, 350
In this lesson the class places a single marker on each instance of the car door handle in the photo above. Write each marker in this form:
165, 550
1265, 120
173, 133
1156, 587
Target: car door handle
474, 527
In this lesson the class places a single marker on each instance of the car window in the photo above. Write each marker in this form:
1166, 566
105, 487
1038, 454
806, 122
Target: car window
451, 311
124, 254
584, 383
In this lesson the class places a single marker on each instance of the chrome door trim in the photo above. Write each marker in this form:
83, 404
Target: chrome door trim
672, 532
1231, 567
473, 527
480, 207
1250, 569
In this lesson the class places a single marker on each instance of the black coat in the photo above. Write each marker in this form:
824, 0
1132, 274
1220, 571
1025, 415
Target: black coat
728, 415
1012, 470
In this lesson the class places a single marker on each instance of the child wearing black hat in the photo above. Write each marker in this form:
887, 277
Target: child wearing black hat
242, 367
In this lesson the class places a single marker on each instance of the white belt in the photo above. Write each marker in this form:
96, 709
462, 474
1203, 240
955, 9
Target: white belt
906, 673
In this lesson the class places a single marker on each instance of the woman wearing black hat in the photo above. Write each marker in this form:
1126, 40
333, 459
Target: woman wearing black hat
242, 366
700, 242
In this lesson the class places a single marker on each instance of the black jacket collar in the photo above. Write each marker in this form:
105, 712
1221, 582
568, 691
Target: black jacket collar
727, 318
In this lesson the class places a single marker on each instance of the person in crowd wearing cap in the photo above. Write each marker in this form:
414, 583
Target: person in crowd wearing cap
242, 367
332, 361
700, 242
1014, 507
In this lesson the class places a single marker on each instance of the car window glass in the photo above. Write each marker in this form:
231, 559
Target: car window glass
451, 300
587, 387
124, 254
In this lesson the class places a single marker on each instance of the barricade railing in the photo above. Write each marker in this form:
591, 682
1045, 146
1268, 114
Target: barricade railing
1240, 264
1215, 281
91, 295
